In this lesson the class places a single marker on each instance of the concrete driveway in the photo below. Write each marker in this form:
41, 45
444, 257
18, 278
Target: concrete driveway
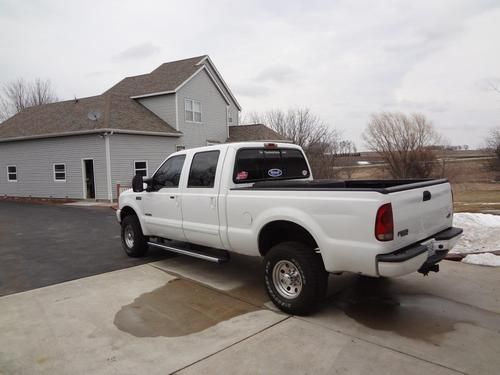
42, 245
182, 315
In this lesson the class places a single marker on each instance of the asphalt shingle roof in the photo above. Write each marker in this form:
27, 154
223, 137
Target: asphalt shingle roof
253, 132
167, 77
116, 109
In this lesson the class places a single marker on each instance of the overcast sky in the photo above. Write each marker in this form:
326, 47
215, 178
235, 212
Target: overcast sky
343, 59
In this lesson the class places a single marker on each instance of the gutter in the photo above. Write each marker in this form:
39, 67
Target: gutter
93, 131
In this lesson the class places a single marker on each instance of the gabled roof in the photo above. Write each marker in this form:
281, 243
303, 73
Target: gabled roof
166, 78
253, 132
209, 61
118, 110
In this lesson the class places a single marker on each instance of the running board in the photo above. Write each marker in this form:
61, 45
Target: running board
211, 255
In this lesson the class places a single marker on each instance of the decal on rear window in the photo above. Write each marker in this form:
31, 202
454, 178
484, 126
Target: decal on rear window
243, 175
275, 172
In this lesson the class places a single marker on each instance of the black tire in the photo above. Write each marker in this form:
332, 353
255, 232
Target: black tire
303, 261
133, 241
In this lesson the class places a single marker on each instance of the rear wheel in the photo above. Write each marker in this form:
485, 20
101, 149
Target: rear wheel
133, 241
296, 280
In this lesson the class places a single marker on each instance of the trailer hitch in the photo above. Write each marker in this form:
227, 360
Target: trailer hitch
426, 268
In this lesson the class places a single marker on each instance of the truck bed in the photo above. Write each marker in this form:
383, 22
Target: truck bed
380, 186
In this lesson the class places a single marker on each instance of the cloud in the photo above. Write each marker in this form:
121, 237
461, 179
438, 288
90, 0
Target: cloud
343, 59
251, 90
138, 51
96, 74
489, 84
278, 74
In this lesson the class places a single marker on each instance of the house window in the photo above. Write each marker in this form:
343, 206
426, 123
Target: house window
12, 173
141, 168
60, 172
193, 110
180, 147
229, 116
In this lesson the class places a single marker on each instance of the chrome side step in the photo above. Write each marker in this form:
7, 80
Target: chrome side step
211, 255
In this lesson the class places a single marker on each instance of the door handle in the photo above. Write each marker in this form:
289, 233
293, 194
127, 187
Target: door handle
427, 196
172, 197
212, 202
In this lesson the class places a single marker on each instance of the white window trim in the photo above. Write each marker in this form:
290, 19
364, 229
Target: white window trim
8, 173
141, 169
54, 172
192, 106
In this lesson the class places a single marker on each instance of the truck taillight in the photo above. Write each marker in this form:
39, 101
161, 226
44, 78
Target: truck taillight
384, 223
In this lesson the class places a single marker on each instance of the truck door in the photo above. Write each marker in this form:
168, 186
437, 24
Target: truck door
201, 198
162, 205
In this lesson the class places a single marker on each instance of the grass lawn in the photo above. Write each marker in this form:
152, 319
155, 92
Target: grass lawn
473, 183
476, 197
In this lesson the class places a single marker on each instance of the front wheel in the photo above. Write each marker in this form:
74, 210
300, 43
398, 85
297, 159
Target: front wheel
133, 241
296, 280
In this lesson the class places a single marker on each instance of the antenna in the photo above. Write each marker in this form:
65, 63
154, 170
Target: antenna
94, 115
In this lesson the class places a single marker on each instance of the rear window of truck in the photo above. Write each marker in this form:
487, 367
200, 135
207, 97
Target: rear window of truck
259, 164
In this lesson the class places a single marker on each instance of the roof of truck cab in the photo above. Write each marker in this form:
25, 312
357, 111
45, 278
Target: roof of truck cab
262, 144
236, 145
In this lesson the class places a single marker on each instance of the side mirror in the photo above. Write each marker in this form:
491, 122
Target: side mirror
148, 183
137, 184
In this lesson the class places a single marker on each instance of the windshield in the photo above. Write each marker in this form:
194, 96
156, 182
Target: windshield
259, 164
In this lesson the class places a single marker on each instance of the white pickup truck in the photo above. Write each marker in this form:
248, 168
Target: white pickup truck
260, 199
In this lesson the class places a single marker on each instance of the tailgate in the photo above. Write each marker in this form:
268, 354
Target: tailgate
420, 213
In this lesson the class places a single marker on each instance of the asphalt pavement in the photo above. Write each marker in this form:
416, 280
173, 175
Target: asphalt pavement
41, 245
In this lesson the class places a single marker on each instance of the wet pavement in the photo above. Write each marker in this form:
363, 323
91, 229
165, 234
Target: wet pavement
178, 308
182, 315
379, 304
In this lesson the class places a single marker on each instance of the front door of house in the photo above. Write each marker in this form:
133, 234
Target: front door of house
89, 180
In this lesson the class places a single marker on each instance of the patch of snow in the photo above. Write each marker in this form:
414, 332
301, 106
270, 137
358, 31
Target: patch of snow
486, 259
481, 232
361, 162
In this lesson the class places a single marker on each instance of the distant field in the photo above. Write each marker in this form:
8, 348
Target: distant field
477, 197
473, 183
374, 158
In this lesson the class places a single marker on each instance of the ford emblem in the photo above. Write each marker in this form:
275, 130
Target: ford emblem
275, 172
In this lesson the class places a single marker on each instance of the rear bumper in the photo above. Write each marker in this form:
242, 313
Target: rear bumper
418, 256
118, 215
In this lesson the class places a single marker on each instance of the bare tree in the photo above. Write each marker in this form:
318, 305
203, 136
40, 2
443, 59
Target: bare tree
404, 142
493, 144
19, 94
299, 125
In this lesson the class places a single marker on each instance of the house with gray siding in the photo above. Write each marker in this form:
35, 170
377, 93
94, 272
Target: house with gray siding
84, 148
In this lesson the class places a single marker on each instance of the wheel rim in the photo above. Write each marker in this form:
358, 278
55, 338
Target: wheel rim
287, 279
128, 235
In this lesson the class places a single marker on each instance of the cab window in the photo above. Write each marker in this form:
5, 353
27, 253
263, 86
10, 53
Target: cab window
203, 169
169, 174
260, 164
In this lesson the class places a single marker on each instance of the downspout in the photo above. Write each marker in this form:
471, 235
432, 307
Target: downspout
108, 165
227, 123
176, 112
